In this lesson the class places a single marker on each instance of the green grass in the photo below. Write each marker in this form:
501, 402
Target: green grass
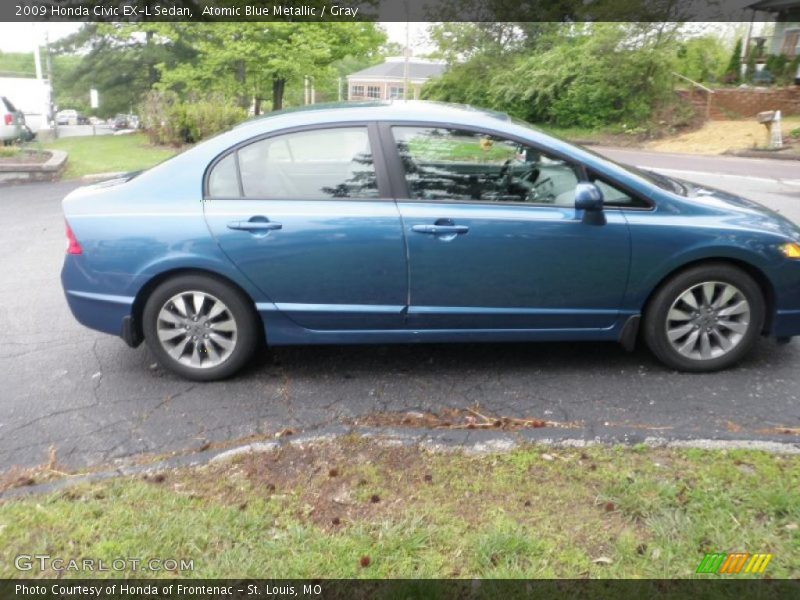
533, 512
453, 149
9, 151
109, 153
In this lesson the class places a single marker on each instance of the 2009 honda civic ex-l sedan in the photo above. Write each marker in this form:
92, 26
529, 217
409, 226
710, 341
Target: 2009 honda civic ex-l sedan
420, 222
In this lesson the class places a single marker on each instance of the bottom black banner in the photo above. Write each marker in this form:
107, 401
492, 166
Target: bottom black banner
394, 589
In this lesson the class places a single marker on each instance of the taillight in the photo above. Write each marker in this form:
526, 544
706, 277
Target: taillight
8, 118
73, 247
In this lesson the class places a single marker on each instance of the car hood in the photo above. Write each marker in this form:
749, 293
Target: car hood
749, 213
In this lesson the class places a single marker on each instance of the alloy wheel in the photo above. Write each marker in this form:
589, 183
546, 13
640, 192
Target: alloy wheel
197, 329
708, 320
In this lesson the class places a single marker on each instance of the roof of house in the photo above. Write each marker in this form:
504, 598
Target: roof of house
774, 5
395, 69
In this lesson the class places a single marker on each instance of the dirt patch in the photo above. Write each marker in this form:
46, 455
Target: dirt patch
718, 137
25, 157
355, 480
16, 476
457, 418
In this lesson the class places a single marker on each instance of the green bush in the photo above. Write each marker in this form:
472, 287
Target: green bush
596, 80
701, 59
170, 121
782, 68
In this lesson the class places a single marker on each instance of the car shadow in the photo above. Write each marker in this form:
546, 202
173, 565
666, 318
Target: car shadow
566, 358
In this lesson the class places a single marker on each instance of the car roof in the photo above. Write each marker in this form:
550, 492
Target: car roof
384, 110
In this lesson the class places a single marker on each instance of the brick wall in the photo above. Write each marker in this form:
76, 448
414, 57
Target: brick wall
745, 103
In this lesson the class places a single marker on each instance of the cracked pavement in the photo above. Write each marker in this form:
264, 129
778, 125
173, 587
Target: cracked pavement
95, 400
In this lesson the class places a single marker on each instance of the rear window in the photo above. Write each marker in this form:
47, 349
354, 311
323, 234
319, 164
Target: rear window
8, 105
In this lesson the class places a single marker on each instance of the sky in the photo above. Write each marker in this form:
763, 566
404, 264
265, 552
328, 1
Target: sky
20, 37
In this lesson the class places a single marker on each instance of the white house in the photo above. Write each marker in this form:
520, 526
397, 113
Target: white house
387, 80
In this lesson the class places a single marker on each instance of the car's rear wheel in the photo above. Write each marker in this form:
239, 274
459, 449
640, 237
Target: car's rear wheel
200, 327
705, 318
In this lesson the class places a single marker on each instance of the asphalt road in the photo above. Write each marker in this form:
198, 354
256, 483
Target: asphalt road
95, 400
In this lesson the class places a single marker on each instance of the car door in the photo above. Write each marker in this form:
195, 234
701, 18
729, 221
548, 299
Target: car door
494, 239
306, 215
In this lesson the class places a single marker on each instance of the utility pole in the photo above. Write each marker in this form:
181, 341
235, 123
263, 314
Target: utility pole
49, 69
407, 58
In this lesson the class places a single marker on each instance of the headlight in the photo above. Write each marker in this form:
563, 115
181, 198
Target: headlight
790, 250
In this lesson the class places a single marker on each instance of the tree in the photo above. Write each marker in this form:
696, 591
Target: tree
256, 61
117, 59
733, 73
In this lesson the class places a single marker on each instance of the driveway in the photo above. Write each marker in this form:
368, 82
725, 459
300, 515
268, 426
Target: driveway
96, 400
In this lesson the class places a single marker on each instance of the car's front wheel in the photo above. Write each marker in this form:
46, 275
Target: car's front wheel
705, 318
200, 327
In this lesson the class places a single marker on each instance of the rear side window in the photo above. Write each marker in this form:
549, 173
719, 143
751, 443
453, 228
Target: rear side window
306, 165
223, 182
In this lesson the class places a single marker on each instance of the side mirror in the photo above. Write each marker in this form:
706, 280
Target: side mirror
588, 197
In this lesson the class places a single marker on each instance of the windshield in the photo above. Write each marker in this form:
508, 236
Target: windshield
662, 181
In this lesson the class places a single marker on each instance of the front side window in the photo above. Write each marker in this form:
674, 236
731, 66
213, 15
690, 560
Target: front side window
613, 196
306, 165
451, 164
373, 91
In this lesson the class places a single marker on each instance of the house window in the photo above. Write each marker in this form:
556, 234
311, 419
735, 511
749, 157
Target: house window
357, 91
791, 43
396, 92
373, 91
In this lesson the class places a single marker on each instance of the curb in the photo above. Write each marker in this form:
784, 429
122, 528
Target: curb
46, 171
768, 154
470, 441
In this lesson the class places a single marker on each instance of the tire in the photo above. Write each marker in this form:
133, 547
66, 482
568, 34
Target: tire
713, 336
200, 327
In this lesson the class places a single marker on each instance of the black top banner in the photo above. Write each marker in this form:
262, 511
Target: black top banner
395, 10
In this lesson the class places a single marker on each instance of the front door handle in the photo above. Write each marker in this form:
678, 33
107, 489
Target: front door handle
440, 229
255, 224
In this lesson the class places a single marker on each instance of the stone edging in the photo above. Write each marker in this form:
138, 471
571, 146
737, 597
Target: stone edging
46, 171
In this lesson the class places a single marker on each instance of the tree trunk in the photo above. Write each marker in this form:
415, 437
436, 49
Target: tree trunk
278, 86
241, 75
257, 106
152, 72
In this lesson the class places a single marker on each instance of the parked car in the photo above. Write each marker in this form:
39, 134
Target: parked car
420, 222
12, 122
67, 117
121, 121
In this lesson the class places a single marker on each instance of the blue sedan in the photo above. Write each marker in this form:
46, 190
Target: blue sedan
420, 222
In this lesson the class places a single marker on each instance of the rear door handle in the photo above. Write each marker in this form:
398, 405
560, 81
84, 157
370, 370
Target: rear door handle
440, 229
255, 225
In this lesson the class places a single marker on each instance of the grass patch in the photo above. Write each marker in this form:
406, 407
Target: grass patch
109, 153
9, 151
353, 508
